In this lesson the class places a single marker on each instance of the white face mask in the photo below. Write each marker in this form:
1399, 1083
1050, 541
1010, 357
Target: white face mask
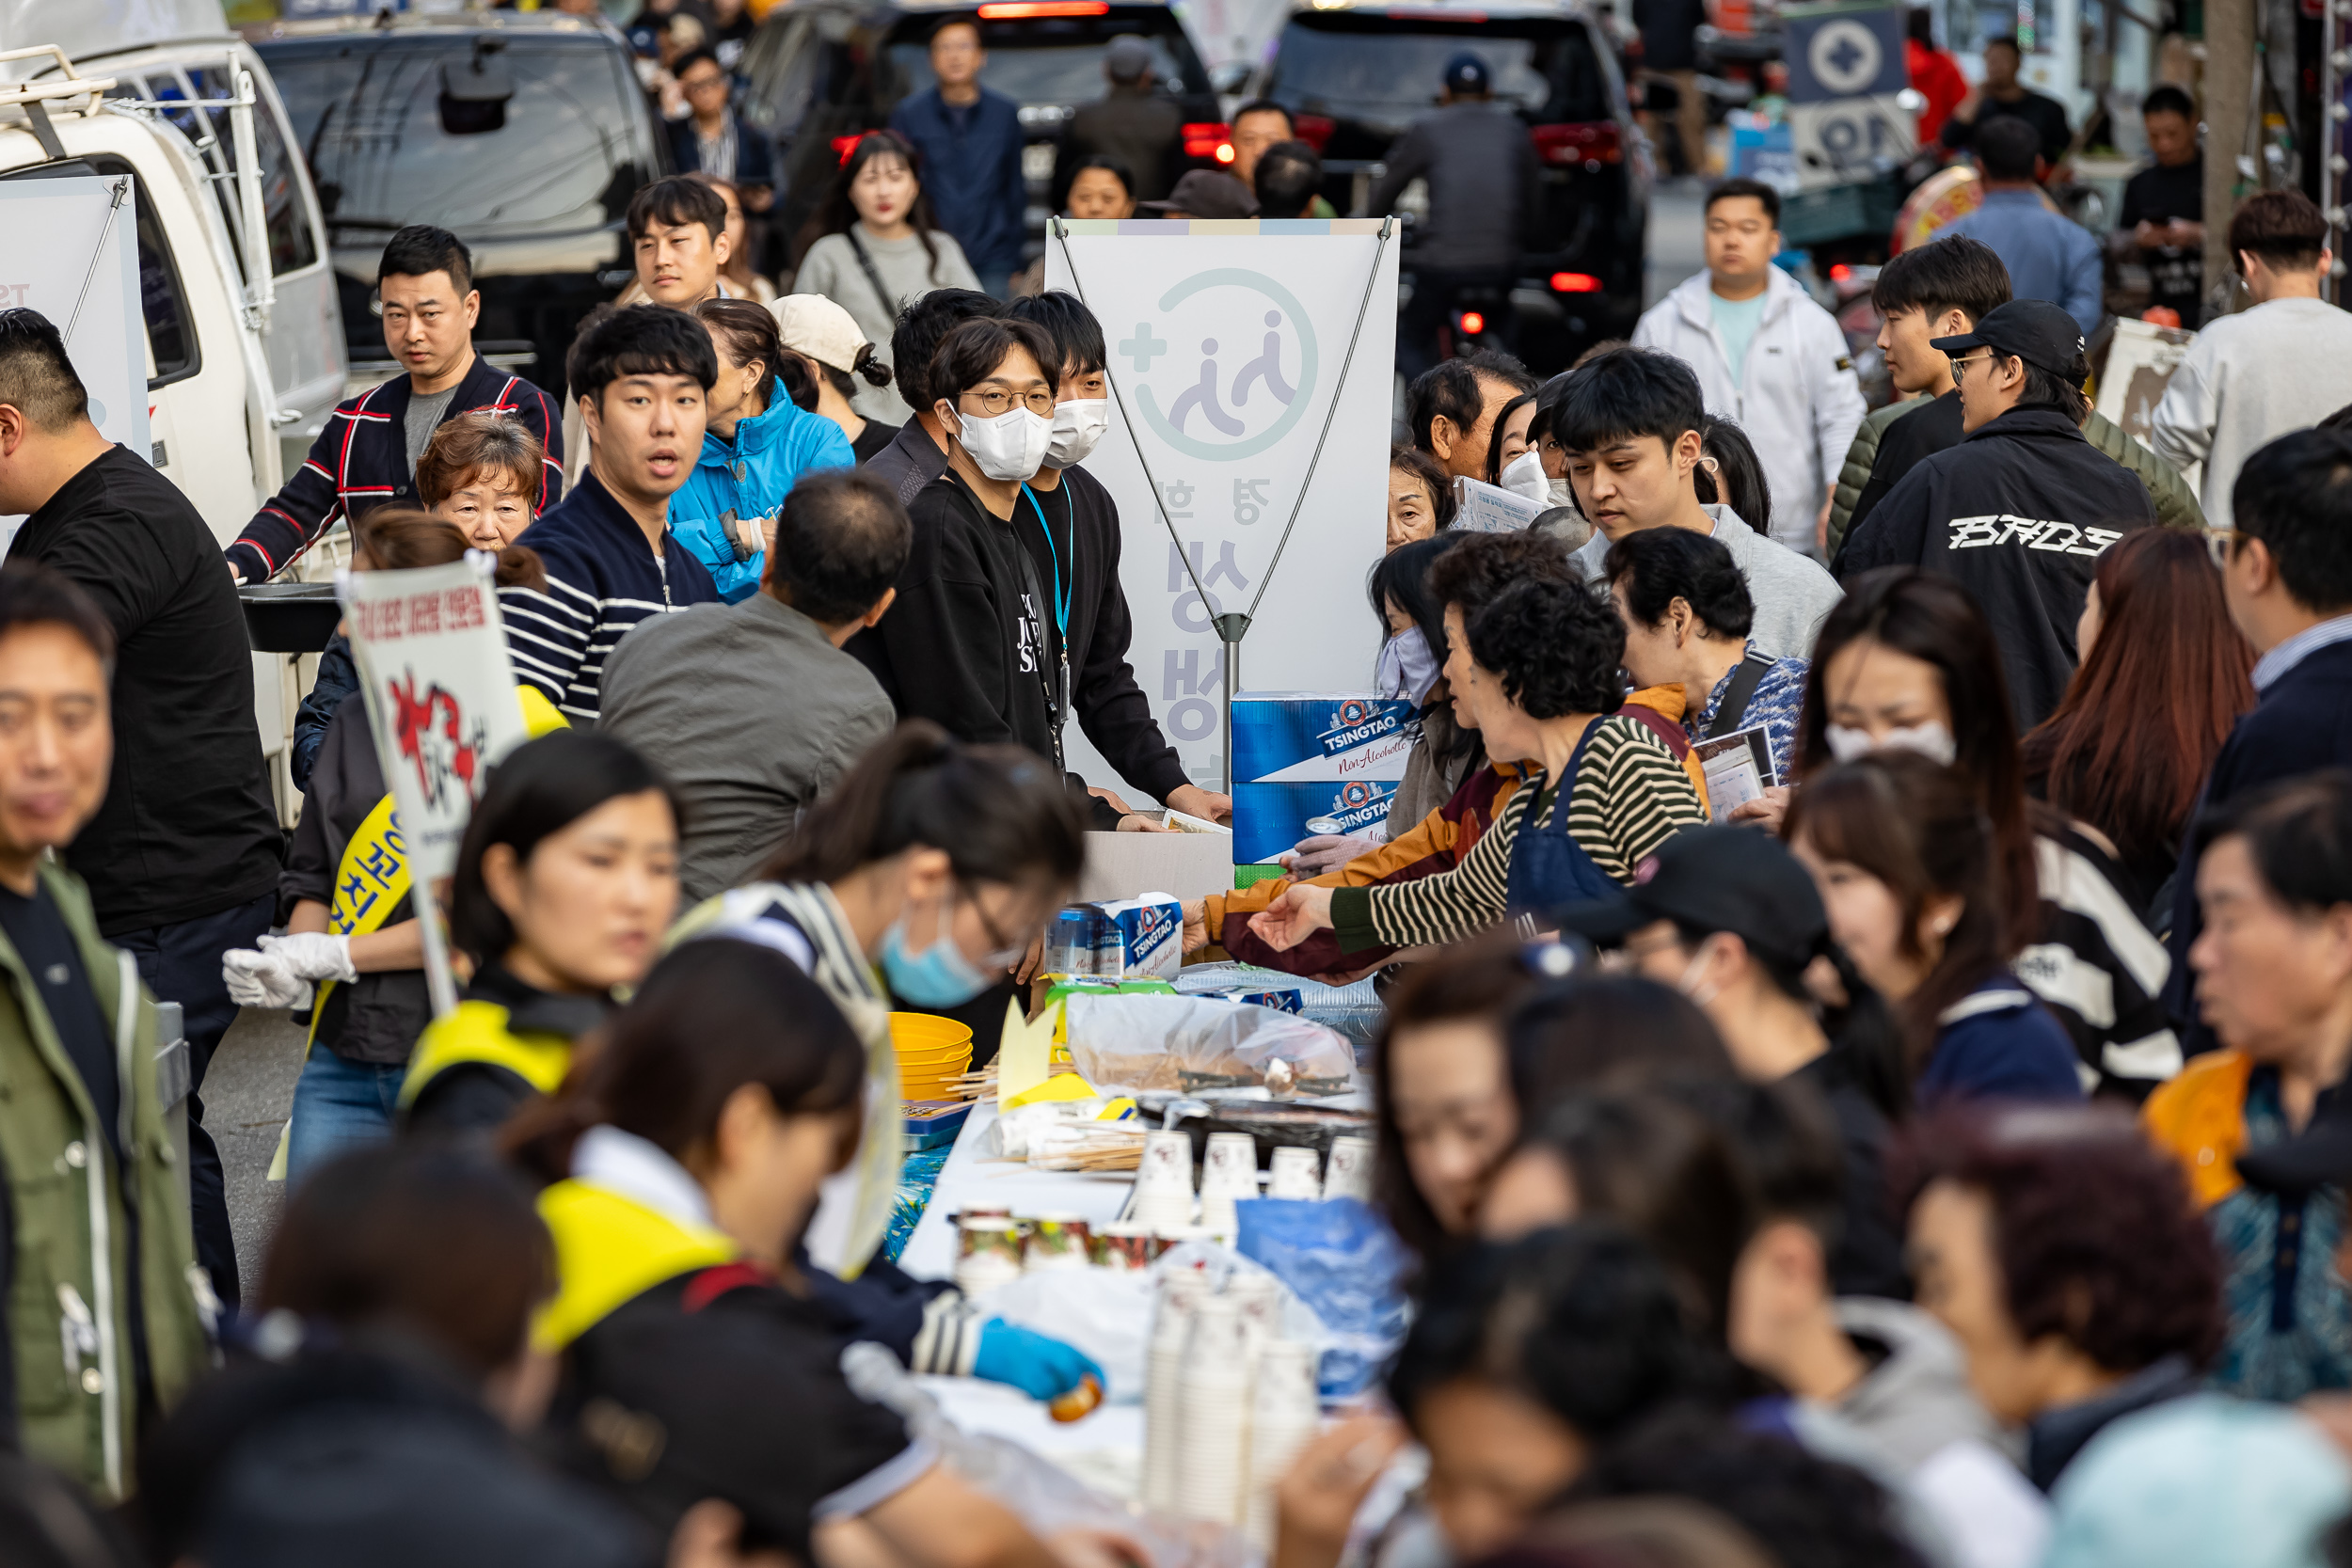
1010, 446
1559, 492
1077, 425
1524, 476
1931, 740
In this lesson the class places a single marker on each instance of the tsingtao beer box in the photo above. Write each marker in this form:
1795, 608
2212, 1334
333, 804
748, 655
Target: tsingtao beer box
1301, 756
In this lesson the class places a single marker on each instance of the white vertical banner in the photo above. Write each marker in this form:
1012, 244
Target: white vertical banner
1252, 367
433, 668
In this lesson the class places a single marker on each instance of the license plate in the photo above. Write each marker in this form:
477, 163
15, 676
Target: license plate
1037, 162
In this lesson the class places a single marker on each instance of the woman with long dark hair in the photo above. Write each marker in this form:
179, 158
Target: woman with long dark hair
566, 880
2163, 674
756, 444
1908, 868
684, 1162
882, 249
1907, 660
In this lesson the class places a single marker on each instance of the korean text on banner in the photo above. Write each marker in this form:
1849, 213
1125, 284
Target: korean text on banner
440, 695
1227, 343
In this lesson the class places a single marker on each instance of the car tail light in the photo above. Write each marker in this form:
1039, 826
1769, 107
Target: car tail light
1839, 273
1209, 139
1315, 130
1575, 283
1592, 144
1471, 323
1013, 11
844, 146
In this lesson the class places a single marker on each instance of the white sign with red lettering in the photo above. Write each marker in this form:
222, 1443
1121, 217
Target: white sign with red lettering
440, 694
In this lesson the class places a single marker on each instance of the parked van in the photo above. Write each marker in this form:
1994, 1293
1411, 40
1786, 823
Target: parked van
244, 344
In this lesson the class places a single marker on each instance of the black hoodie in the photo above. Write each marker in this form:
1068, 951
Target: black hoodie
2019, 513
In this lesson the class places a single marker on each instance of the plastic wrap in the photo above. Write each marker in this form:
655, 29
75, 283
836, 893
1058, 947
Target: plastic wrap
1355, 1010
1345, 1266
1148, 1042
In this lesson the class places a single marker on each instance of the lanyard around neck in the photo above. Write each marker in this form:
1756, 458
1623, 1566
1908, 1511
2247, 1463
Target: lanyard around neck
1061, 589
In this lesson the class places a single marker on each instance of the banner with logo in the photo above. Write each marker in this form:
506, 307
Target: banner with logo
1252, 372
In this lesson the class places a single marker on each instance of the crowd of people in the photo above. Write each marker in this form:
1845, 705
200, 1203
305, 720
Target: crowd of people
1933, 1153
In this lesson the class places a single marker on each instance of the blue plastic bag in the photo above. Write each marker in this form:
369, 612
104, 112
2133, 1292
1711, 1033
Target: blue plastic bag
1343, 1260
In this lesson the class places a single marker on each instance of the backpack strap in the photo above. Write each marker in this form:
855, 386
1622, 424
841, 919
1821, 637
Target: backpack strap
1746, 677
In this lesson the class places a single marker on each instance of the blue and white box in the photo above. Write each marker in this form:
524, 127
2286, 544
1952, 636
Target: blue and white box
1302, 754
1151, 934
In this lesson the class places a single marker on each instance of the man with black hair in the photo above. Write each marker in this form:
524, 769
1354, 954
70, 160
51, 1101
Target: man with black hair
1767, 357
1943, 289
753, 708
2021, 510
711, 139
677, 234
1140, 128
1260, 126
2251, 377
970, 140
1287, 180
366, 456
181, 858
2163, 218
1072, 538
2048, 257
1629, 421
639, 376
2286, 571
1482, 175
1451, 408
919, 452
2003, 96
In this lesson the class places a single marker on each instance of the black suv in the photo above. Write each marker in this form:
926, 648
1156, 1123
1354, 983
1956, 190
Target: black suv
525, 134
822, 72
1354, 78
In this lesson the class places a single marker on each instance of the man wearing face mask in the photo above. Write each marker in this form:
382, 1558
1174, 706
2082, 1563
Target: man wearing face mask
1070, 526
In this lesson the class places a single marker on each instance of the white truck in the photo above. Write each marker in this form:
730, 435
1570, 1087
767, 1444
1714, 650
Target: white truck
245, 342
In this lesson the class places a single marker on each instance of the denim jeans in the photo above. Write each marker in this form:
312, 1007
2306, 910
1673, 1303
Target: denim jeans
338, 1104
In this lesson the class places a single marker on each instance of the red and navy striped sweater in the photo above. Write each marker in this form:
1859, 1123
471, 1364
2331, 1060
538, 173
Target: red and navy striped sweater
360, 461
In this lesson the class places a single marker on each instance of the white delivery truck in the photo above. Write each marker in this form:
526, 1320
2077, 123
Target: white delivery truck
245, 342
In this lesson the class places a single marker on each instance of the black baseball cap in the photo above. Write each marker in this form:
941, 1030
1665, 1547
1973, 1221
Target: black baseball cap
2035, 330
1743, 880
1467, 72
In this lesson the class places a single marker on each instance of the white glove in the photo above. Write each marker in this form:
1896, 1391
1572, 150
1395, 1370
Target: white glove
1312, 857
279, 973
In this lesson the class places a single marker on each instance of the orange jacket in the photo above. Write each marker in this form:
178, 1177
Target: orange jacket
2199, 1120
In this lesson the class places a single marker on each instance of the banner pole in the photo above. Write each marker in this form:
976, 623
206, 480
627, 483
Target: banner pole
439, 982
1230, 628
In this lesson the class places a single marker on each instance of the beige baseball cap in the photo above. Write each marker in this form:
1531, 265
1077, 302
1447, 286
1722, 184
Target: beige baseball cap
815, 326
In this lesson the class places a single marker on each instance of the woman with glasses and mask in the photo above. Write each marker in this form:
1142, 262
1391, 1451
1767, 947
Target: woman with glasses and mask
929, 865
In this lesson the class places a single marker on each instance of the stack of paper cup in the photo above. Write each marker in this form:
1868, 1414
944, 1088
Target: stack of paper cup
1228, 1173
1163, 1386
1349, 1173
1285, 1417
1297, 1173
1258, 1298
1213, 1444
1164, 1182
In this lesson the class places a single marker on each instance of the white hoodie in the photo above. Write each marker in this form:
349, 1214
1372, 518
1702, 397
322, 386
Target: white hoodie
1798, 401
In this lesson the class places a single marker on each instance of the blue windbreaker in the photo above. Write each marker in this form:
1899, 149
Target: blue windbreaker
751, 478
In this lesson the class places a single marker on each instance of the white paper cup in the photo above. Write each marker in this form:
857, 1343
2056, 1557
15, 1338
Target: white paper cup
1296, 1173
1349, 1171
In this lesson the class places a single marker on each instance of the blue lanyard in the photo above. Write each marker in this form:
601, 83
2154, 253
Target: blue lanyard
1061, 590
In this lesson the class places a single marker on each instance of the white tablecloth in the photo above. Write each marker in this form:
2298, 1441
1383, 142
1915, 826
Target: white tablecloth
971, 1177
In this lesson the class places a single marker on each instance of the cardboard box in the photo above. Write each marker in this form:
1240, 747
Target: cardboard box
1300, 754
1127, 865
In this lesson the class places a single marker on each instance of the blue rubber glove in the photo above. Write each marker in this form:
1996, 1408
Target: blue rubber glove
1040, 1367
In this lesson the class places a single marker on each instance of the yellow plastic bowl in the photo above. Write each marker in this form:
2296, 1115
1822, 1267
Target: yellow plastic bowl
915, 1031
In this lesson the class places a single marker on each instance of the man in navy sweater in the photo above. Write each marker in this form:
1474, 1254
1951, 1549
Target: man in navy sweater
640, 374
970, 139
2287, 574
366, 456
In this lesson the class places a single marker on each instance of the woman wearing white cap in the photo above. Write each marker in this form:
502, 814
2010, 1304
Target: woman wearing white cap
829, 338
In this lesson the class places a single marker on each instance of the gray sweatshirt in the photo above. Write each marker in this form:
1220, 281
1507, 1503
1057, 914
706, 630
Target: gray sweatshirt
1793, 593
2248, 380
831, 268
